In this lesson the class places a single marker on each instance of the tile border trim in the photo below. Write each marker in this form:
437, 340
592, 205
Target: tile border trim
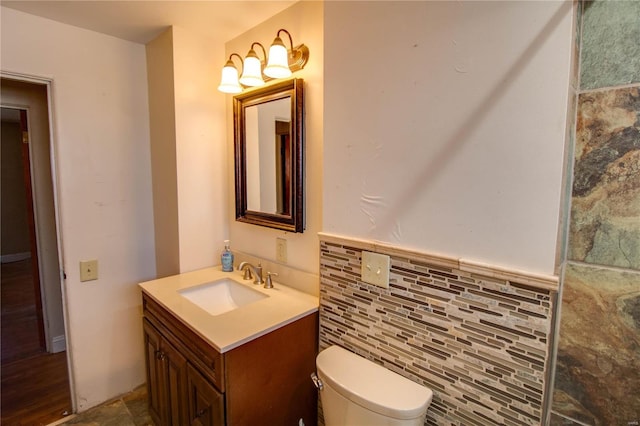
546, 282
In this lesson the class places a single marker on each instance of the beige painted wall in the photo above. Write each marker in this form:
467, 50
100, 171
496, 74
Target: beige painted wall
304, 20
101, 150
188, 155
162, 129
201, 151
444, 126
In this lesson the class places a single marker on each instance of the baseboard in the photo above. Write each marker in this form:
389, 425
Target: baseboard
63, 420
59, 344
14, 257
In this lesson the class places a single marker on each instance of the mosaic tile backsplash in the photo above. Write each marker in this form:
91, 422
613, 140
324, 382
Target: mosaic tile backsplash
480, 342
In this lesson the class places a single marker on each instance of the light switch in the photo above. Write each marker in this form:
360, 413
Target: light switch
375, 269
88, 270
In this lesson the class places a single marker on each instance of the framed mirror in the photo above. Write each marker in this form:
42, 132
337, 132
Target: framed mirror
269, 142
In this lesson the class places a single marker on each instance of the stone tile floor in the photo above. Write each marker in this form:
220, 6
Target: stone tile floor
128, 410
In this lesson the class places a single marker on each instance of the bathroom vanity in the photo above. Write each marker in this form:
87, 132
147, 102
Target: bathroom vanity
248, 365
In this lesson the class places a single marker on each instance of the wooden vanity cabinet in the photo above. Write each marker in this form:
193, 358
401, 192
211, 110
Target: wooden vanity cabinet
264, 381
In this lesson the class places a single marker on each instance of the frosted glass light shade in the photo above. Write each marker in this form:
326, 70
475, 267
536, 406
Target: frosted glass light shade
278, 66
252, 70
229, 80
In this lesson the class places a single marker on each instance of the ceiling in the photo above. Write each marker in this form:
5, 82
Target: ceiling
141, 21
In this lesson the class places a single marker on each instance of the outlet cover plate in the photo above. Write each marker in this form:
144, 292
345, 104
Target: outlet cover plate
281, 250
88, 270
375, 269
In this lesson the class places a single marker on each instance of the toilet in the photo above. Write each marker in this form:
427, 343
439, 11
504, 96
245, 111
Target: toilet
357, 392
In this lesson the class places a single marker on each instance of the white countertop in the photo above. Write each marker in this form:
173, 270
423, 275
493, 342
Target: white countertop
234, 328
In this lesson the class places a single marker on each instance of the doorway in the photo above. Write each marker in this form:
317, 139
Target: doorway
35, 380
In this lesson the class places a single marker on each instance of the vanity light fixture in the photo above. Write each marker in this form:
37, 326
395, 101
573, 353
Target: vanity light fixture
280, 63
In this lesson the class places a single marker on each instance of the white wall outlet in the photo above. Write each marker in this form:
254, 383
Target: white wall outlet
281, 250
88, 270
375, 269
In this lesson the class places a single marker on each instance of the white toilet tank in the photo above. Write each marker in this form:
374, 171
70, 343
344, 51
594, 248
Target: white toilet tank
358, 392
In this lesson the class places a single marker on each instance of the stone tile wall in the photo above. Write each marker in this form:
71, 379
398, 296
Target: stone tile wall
477, 336
605, 212
598, 369
610, 51
597, 378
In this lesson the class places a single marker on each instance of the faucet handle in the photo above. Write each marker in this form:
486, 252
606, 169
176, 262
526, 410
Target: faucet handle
269, 282
247, 274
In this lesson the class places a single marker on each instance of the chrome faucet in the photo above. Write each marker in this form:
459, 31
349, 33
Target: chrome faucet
257, 271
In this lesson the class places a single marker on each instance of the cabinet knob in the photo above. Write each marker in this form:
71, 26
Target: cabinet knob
160, 355
201, 412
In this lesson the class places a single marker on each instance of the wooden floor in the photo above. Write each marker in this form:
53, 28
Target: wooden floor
34, 384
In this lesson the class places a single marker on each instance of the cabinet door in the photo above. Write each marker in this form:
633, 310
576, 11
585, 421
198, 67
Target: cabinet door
166, 379
155, 372
206, 406
176, 384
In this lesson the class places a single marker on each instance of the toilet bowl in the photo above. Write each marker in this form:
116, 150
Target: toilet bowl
357, 392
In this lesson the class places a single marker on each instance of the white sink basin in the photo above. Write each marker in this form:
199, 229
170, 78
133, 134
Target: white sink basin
221, 296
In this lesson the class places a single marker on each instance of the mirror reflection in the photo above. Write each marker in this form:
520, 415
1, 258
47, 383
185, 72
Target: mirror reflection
268, 156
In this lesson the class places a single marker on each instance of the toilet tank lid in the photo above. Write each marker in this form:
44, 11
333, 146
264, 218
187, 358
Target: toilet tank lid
371, 385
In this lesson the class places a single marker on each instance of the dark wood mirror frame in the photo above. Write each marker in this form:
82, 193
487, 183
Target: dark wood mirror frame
294, 221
